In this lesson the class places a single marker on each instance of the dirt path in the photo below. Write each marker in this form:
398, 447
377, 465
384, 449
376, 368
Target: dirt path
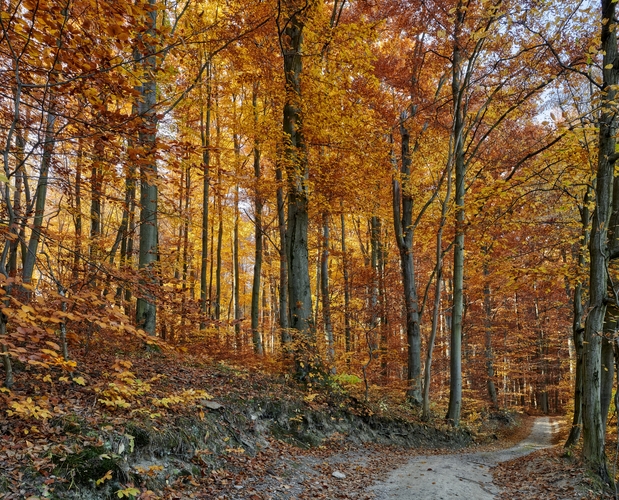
464, 476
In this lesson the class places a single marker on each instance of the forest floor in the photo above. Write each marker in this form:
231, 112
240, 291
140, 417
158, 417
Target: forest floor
534, 468
154, 425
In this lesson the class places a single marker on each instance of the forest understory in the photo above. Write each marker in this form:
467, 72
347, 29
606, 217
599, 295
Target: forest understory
211, 429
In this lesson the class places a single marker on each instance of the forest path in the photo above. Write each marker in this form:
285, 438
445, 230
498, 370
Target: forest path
463, 476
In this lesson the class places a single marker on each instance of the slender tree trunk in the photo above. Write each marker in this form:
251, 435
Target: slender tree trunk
375, 245
128, 207
41, 199
127, 256
404, 232
488, 327
455, 366
318, 288
127, 229
236, 263
347, 336
205, 135
326, 293
220, 237
146, 309
20, 145
185, 249
96, 185
427, 374
255, 292
220, 215
283, 260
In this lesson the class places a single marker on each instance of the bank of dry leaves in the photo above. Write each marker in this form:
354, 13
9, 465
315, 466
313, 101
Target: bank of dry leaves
552, 474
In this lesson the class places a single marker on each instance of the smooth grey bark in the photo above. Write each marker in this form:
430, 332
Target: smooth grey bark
347, 328
205, 137
404, 235
258, 204
186, 183
236, 263
593, 430
455, 360
326, 292
376, 260
220, 228
295, 157
146, 308
488, 331
41, 199
220, 237
283, 260
427, 372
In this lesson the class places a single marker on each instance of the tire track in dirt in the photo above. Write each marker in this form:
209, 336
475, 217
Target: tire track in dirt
461, 476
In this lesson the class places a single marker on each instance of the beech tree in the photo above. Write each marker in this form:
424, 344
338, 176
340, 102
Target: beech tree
294, 16
593, 430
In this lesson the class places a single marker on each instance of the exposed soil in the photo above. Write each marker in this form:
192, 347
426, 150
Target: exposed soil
463, 475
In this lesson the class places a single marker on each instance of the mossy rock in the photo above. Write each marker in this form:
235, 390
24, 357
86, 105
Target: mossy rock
89, 465
71, 424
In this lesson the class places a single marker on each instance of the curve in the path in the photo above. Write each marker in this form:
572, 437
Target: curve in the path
462, 476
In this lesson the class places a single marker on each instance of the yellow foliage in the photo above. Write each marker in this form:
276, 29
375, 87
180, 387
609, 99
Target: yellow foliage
29, 409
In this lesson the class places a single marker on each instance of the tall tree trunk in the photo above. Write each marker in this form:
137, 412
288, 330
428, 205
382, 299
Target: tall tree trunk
455, 366
593, 429
127, 229
488, 327
220, 215
347, 336
255, 291
220, 238
185, 248
375, 257
404, 232
299, 290
236, 262
146, 308
326, 293
20, 145
283, 260
96, 185
128, 207
205, 136
427, 373
41, 199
